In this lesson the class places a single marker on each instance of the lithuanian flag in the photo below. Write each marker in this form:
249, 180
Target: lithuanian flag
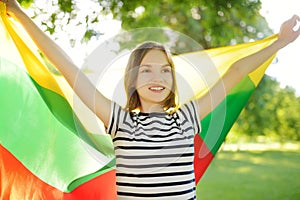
48, 152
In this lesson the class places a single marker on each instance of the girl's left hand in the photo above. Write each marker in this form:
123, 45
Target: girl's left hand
287, 34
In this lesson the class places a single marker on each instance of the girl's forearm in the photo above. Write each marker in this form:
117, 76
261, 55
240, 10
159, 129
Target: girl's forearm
53, 52
286, 35
74, 76
249, 63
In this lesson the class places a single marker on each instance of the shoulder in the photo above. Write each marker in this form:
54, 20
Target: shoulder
118, 115
189, 112
190, 108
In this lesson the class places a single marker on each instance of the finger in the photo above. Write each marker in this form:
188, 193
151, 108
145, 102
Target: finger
292, 22
296, 26
296, 17
298, 31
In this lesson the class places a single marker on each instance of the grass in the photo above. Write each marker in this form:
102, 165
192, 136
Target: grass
249, 175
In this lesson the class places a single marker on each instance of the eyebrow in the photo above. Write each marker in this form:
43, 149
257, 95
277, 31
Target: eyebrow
150, 65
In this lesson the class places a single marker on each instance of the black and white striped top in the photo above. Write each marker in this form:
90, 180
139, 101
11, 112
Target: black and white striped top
155, 153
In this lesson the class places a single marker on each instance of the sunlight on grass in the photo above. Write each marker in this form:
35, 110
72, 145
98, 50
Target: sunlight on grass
252, 175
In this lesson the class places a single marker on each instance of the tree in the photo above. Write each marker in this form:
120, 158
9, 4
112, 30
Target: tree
271, 111
211, 23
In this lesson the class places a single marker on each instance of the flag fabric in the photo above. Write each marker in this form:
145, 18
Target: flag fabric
48, 152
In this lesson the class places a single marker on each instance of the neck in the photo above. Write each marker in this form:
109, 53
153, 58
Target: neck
151, 108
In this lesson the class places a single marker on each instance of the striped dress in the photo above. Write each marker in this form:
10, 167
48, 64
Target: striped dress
154, 153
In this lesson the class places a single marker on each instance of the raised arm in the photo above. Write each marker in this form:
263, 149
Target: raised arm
75, 77
246, 65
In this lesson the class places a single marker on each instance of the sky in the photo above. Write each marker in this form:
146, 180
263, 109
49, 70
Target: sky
286, 69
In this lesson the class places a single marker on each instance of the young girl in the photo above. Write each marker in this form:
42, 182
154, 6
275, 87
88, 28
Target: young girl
152, 136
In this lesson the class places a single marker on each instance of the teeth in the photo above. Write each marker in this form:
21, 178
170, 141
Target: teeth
156, 88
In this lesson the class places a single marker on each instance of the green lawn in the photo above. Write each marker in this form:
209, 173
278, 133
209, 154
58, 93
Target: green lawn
252, 175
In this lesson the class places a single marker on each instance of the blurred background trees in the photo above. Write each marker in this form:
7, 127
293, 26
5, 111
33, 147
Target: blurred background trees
211, 23
272, 111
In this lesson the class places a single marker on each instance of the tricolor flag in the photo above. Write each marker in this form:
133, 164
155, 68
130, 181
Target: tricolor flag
47, 152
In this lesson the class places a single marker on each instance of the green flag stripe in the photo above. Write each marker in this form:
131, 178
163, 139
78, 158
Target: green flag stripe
37, 139
216, 125
62, 110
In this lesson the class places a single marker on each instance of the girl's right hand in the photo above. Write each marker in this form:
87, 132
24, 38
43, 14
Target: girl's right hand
12, 6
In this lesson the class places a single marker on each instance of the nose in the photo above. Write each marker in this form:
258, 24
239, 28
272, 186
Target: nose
157, 77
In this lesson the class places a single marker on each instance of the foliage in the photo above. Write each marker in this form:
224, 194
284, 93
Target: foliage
25, 3
211, 23
271, 111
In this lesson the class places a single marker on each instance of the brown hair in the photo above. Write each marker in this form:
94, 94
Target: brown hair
131, 73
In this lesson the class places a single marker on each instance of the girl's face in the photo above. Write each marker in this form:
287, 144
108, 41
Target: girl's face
154, 81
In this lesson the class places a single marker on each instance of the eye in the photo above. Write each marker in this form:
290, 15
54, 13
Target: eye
144, 70
167, 70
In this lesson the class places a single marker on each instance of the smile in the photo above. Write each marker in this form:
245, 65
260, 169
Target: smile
157, 88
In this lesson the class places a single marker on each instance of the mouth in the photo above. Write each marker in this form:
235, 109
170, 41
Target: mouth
156, 88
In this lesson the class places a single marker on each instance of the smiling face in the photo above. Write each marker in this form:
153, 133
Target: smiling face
150, 79
154, 81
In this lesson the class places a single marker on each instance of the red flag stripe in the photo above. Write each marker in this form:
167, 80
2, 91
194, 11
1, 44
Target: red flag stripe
29, 185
